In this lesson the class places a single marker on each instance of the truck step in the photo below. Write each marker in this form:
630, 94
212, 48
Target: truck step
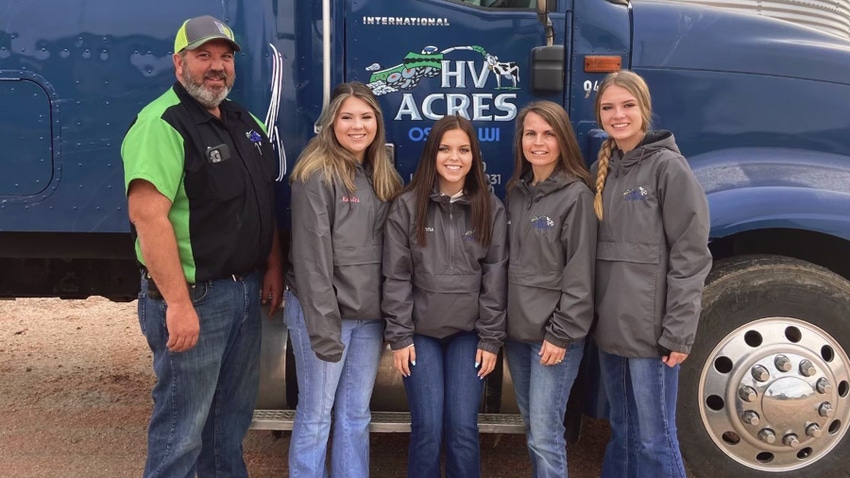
390, 422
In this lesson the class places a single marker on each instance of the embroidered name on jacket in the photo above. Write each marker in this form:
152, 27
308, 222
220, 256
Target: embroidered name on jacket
543, 223
636, 194
350, 199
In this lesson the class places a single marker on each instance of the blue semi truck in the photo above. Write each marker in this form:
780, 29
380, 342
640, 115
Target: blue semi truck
759, 106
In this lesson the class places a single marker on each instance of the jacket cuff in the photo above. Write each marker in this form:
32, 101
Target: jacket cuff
405, 342
557, 342
489, 346
329, 358
673, 346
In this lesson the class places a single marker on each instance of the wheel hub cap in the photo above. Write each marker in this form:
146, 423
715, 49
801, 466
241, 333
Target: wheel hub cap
774, 394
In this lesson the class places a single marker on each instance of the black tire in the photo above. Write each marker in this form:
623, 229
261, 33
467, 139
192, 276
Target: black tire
757, 310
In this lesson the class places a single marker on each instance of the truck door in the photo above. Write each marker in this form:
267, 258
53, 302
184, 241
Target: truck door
428, 58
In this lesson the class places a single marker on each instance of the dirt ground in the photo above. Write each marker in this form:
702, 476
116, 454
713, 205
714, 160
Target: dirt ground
75, 380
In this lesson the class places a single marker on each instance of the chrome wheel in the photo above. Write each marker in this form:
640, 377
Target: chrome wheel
774, 394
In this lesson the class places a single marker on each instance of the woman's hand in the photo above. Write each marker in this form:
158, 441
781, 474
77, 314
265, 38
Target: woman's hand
404, 358
675, 358
487, 361
551, 354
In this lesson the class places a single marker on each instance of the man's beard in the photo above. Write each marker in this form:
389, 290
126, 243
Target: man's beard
208, 97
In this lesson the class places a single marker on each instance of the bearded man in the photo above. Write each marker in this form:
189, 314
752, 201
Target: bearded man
199, 174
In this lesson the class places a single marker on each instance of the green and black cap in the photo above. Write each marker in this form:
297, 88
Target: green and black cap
196, 31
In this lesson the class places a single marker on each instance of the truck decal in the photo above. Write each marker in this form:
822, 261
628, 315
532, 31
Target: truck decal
431, 62
407, 21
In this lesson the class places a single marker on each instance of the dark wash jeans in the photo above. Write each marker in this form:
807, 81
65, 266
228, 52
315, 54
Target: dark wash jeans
204, 397
444, 392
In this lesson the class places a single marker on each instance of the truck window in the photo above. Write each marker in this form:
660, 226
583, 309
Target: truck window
502, 3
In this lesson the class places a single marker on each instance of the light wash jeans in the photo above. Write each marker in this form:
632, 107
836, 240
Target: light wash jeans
204, 397
642, 396
344, 387
444, 392
542, 392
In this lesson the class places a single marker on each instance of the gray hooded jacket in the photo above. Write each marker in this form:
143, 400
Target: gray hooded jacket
335, 255
552, 237
451, 285
652, 257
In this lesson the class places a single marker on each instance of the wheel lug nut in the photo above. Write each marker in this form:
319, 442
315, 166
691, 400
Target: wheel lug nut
825, 410
791, 440
766, 435
782, 363
807, 369
823, 385
813, 430
750, 418
760, 373
747, 394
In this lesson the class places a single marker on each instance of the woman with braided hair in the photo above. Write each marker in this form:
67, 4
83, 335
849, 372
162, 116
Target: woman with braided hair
651, 262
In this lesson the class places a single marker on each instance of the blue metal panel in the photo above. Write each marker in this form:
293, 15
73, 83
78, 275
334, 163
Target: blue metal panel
710, 110
703, 38
599, 28
103, 61
760, 188
427, 58
26, 164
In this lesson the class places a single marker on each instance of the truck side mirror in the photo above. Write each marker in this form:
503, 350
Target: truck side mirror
547, 68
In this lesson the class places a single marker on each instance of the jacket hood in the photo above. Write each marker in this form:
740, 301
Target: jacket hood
445, 200
555, 181
653, 142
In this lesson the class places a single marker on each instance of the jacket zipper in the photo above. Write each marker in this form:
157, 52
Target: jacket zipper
452, 238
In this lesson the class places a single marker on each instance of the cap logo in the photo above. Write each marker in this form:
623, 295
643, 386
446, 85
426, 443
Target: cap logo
223, 29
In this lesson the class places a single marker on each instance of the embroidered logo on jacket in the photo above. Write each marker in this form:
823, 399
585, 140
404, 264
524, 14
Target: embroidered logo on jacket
350, 199
543, 223
429, 229
469, 235
636, 194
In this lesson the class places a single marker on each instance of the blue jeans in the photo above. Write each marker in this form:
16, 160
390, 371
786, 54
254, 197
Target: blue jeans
344, 387
444, 392
642, 396
541, 394
204, 397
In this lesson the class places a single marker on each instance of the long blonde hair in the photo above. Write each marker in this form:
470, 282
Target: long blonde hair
325, 155
636, 86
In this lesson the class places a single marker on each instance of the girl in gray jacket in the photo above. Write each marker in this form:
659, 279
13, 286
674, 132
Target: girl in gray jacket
552, 236
445, 259
651, 263
341, 186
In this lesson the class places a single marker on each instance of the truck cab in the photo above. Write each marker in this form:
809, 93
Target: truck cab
758, 106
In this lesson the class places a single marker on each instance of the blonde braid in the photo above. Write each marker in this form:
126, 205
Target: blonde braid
602, 174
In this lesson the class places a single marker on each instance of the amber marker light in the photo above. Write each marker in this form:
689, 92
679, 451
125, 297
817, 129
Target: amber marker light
602, 64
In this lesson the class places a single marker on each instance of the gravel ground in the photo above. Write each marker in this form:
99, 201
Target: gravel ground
75, 380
